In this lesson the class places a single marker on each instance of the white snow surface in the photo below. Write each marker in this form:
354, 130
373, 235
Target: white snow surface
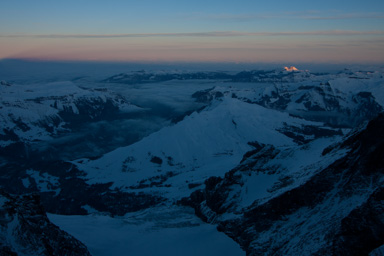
204, 144
365, 84
155, 231
306, 230
290, 168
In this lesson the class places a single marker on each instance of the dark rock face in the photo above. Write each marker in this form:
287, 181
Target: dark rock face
156, 160
363, 229
26, 230
64, 191
206, 96
5, 83
338, 211
306, 133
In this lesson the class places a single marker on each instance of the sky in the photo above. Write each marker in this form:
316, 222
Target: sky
216, 30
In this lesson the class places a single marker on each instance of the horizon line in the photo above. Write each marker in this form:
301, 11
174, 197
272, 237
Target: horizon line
282, 62
204, 34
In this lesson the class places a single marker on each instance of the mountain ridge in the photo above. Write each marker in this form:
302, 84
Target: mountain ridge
338, 194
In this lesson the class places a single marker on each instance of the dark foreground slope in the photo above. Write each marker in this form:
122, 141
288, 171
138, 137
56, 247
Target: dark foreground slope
26, 230
338, 211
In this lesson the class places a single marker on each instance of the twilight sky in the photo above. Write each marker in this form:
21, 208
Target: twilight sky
199, 30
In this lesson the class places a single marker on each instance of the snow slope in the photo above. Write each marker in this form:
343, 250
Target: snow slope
157, 231
331, 207
204, 144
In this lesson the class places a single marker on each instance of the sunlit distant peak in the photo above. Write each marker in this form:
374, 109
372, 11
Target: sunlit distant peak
290, 69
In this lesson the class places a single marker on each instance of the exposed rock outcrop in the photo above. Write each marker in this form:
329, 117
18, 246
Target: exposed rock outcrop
26, 229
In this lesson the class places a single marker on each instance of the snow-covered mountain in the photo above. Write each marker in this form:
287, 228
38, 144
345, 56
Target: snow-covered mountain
204, 144
40, 111
280, 161
143, 76
290, 69
33, 113
273, 204
344, 99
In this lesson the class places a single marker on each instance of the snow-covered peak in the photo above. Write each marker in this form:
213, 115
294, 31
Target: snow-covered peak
290, 69
204, 144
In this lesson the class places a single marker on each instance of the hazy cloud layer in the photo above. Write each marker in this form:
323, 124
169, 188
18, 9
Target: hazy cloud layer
305, 15
208, 34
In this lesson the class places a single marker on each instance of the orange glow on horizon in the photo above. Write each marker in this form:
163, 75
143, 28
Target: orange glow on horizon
192, 49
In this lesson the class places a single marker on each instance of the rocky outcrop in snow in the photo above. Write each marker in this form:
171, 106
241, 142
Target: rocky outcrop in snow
26, 229
63, 190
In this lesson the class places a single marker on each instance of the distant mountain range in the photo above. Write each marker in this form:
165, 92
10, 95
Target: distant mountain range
143, 76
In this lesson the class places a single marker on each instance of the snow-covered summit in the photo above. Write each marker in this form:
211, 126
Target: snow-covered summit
202, 145
290, 69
